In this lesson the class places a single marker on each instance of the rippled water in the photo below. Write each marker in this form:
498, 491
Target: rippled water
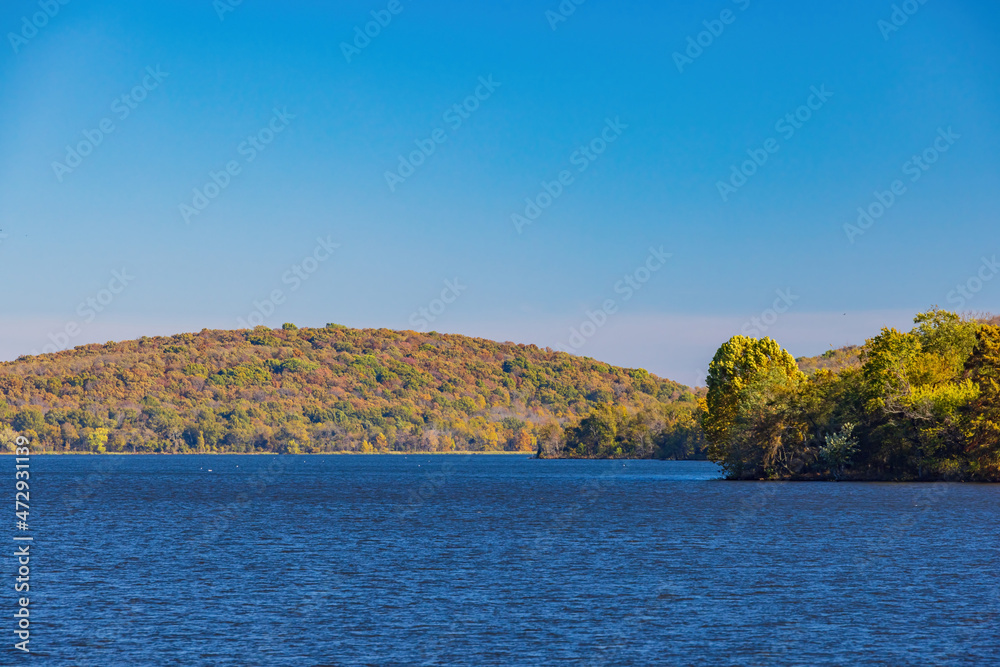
339, 560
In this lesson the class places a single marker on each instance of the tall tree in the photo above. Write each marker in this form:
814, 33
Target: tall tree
747, 380
983, 368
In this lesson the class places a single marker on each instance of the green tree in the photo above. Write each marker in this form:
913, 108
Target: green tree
747, 379
983, 413
97, 440
28, 419
948, 337
595, 434
839, 449
680, 437
914, 395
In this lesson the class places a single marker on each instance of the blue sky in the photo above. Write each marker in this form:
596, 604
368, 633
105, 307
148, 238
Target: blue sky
329, 126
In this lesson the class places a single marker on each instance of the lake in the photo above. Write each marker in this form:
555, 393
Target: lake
500, 560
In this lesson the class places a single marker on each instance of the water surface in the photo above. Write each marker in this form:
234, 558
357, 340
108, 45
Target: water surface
480, 560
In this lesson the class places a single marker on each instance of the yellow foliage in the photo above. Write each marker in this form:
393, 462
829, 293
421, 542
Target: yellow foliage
526, 442
446, 443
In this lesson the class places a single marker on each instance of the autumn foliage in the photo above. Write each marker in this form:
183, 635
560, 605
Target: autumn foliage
319, 390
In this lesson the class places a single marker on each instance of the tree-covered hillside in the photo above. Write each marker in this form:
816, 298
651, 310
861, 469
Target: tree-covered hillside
331, 389
832, 360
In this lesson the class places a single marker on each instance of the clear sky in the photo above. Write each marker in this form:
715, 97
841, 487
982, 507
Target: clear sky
632, 114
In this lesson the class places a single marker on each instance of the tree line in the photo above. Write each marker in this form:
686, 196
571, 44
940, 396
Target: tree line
919, 405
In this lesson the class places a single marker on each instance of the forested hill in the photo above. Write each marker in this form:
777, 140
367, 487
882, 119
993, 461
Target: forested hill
834, 360
843, 358
316, 390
